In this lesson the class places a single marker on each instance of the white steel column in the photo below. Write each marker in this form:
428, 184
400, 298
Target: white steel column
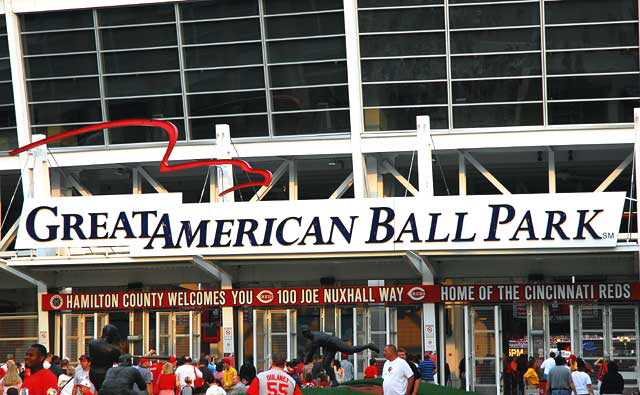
552, 171
19, 83
224, 178
355, 96
467, 350
636, 163
425, 164
462, 175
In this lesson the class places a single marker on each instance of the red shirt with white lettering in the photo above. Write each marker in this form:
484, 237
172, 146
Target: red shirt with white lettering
273, 382
43, 382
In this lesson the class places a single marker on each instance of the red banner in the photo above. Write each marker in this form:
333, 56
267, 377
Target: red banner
363, 295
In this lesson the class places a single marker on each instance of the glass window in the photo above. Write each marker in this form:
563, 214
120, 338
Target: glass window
519, 89
614, 111
479, 1
242, 126
223, 55
66, 112
7, 116
142, 134
139, 37
8, 139
288, 6
403, 69
5, 70
227, 103
56, 20
221, 31
310, 98
401, 19
592, 61
305, 25
136, 15
494, 15
308, 74
132, 61
311, 122
505, 40
304, 50
225, 79
593, 87
592, 36
194, 10
386, 119
148, 107
61, 66
59, 42
392, 3
497, 115
404, 94
6, 93
496, 65
402, 44
4, 47
590, 11
92, 138
64, 89
142, 84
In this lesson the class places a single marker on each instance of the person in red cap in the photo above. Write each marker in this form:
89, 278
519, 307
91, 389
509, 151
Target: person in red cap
41, 381
573, 364
228, 372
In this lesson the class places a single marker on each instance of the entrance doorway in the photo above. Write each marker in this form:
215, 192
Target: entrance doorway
78, 330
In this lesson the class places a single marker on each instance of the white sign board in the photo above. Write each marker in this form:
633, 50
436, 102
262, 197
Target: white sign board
161, 225
227, 341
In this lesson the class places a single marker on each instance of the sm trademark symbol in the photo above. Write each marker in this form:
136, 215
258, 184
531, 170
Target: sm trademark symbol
608, 235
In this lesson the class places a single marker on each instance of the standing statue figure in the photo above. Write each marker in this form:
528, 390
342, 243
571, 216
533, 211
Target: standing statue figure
103, 353
330, 345
121, 379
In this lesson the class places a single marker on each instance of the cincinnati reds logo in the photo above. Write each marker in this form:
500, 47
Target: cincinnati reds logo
417, 293
165, 167
55, 302
265, 296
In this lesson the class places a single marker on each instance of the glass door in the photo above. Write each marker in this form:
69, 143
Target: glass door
273, 332
592, 335
484, 350
78, 331
624, 342
177, 333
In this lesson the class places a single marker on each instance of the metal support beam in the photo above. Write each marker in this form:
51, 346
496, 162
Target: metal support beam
277, 175
346, 184
486, 173
614, 174
10, 236
213, 184
354, 78
374, 178
405, 183
293, 180
462, 175
422, 266
551, 170
427, 273
211, 268
152, 181
136, 181
425, 163
75, 183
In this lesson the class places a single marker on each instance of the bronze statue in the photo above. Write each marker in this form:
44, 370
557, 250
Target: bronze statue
331, 345
103, 353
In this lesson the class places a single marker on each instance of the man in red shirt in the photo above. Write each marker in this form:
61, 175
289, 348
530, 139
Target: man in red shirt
41, 381
274, 381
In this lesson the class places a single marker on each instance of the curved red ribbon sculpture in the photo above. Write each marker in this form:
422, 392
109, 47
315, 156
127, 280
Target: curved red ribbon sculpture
165, 167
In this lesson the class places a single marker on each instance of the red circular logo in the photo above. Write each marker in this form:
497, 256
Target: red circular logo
265, 296
417, 293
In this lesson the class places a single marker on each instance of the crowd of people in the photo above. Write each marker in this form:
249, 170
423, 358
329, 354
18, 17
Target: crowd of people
559, 376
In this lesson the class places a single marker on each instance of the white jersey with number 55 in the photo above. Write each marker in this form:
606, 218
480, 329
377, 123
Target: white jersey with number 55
273, 382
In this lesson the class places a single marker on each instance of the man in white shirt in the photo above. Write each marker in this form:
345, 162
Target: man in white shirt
187, 370
396, 373
548, 364
82, 372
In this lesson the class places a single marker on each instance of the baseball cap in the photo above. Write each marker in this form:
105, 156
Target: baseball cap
226, 360
143, 360
85, 357
172, 359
